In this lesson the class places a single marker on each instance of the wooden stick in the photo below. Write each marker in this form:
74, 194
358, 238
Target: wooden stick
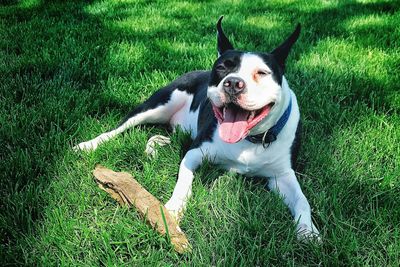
127, 191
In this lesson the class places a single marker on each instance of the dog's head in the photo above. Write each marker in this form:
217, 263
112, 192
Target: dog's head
245, 86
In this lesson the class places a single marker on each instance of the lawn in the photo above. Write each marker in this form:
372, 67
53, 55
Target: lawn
70, 70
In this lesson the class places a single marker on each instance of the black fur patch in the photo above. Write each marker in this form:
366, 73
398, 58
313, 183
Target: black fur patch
191, 81
227, 63
206, 124
277, 71
200, 96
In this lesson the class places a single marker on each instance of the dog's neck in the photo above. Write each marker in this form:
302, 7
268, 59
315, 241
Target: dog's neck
276, 112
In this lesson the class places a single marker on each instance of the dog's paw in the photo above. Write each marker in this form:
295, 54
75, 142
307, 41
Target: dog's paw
175, 209
308, 233
85, 146
151, 144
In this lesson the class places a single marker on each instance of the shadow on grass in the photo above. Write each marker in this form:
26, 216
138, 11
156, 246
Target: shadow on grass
54, 63
62, 68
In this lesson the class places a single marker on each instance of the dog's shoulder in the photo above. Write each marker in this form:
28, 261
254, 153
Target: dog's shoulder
190, 82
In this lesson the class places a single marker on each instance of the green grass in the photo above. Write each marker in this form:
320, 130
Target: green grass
70, 70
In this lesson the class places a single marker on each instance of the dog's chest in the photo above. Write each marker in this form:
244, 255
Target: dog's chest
246, 158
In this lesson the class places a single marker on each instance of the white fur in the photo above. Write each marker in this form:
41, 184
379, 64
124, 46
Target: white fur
185, 118
260, 93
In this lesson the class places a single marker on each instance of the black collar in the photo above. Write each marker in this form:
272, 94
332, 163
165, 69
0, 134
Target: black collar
270, 136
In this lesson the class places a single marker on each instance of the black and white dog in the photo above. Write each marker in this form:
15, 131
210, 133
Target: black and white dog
241, 115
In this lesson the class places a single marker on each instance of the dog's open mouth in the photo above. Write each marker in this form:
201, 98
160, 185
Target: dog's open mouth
235, 122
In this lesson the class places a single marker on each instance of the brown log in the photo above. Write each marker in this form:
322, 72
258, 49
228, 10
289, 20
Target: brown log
127, 191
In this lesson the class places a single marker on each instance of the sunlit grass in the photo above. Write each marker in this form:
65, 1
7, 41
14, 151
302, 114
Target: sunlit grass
29, 3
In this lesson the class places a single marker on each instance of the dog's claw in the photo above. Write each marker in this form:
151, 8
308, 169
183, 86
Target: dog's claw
151, 144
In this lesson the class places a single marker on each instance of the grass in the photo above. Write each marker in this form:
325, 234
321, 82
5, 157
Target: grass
70, 70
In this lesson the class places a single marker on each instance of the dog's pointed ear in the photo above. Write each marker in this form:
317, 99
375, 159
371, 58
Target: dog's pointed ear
282, 51
223, 42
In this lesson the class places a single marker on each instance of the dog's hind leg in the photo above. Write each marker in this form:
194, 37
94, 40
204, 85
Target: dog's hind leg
159, 108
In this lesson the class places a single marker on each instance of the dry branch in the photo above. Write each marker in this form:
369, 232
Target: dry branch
127, 191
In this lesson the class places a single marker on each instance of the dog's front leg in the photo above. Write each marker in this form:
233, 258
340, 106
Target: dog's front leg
183, 188
288, 187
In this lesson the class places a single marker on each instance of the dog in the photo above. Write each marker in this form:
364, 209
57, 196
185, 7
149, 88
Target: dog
241, 115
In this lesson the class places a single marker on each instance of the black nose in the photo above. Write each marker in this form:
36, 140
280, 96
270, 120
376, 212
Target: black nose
234, 85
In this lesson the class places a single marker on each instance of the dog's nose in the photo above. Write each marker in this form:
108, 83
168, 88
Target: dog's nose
234, 85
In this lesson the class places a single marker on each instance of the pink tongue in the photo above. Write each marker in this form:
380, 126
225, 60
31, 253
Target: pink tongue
234, 126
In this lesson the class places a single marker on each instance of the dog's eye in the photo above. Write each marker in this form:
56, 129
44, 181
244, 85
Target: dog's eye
220, 67
229, 63
263, 72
